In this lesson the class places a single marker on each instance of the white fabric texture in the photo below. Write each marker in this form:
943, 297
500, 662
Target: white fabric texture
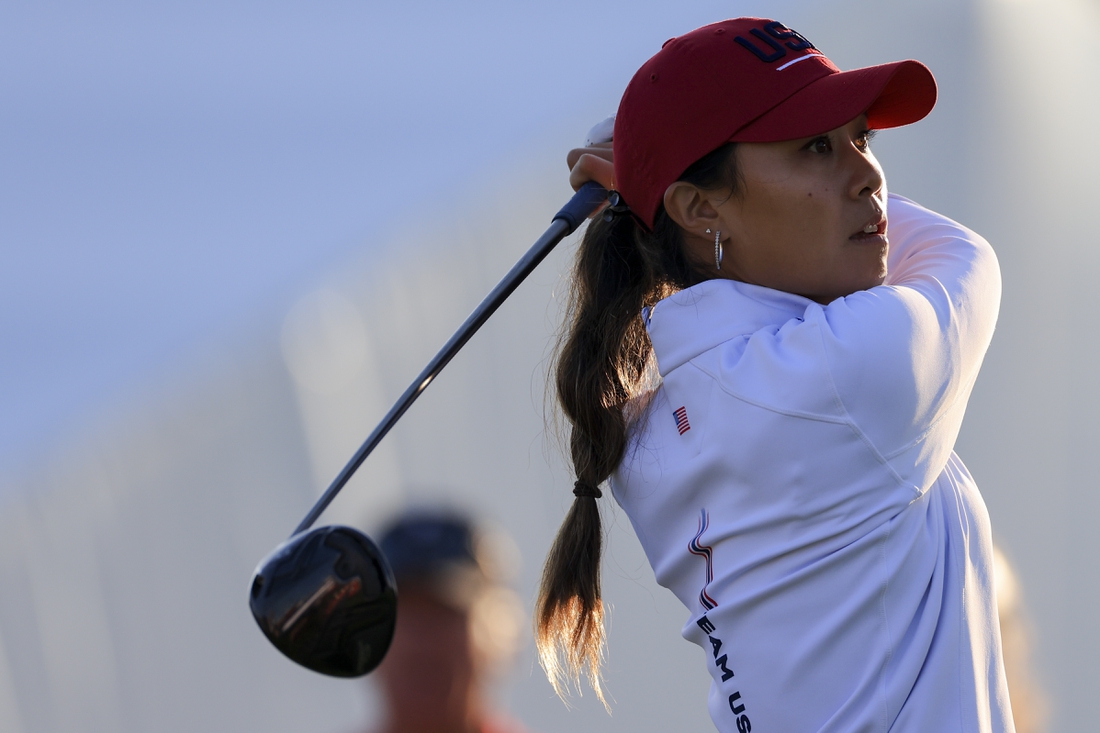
806, 504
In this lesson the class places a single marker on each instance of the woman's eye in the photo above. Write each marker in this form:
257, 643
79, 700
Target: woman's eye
863, 142
819, 145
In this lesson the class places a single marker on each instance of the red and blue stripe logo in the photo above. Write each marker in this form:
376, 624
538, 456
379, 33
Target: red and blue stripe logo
705, 552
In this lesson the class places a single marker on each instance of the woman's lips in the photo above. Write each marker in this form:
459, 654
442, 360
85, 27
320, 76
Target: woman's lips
874, 229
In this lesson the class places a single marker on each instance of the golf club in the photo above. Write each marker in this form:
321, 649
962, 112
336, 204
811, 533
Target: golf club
326, 597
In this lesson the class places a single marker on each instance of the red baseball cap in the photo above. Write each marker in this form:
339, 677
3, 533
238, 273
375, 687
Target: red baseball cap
746, 80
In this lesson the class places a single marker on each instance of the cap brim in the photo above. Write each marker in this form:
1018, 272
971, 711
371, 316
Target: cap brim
891, 95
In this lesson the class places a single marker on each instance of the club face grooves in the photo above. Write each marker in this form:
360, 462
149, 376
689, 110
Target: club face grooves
327, 599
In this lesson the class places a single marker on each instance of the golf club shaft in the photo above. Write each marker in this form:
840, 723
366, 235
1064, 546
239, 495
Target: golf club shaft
566, 221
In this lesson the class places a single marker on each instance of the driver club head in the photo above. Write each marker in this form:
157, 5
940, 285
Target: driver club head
326, 598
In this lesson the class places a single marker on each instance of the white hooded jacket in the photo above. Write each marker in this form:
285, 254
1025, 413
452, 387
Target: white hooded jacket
793, 482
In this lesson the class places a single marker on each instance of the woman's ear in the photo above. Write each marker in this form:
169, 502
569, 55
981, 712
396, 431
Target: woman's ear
691, 208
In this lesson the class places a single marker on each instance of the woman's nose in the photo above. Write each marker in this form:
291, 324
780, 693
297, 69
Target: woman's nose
867, 177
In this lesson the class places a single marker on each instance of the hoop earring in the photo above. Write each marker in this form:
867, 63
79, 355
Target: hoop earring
718, 252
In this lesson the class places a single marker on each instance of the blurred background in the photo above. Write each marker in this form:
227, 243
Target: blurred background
232, 232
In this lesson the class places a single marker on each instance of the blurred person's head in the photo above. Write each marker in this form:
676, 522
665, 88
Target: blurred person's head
457, 622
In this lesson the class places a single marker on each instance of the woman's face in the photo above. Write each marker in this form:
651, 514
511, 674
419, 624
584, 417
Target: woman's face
799, 223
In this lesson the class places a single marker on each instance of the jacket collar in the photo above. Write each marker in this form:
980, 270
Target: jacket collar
692, 321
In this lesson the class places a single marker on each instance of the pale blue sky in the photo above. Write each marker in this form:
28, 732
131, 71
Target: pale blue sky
170, 173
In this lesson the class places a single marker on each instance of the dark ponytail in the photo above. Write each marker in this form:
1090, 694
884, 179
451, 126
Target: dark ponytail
602, 363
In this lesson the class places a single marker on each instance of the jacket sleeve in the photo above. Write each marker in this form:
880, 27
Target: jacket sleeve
903, 356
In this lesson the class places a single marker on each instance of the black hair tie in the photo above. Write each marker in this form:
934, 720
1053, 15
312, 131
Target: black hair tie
615, 206
583, 488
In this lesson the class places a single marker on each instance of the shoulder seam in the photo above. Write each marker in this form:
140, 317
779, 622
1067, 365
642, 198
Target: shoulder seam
763, 405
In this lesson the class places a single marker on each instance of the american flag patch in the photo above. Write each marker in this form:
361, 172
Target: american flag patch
682, 423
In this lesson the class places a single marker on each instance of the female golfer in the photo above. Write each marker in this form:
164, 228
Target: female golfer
769, 359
